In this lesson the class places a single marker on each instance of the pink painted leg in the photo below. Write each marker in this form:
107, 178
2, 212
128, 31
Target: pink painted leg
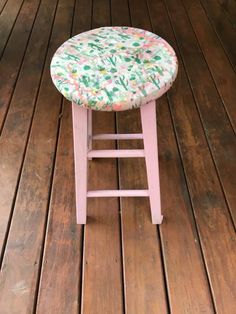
80, 131
148, 118
90, 131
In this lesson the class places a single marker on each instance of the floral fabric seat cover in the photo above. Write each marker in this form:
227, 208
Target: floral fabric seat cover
114, 68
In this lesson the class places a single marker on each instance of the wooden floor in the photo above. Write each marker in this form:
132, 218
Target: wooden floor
119, 262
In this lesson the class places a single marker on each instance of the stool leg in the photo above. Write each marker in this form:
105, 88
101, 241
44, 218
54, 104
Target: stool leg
148, 118
90, 131
80, 133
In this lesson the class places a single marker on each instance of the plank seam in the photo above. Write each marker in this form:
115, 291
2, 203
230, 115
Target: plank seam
3, 6
185, 175
51, 180
42, 254
215, 31
82, 262
200, 117
192, 210
122, 249
200, 47
198, 110
160, 242
226, 13
25, 148
19, 71
13, 25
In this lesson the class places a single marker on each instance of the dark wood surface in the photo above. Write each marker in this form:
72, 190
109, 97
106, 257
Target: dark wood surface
119, 262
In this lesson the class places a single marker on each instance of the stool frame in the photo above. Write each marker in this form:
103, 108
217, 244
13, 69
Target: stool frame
82, 126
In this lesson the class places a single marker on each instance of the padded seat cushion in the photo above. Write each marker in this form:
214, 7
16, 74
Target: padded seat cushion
114, 68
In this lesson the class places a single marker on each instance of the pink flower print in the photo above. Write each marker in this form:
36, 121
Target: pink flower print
125, 77
117, 107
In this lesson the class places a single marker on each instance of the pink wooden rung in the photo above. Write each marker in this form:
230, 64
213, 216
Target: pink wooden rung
118, 193
118, 136
115, 153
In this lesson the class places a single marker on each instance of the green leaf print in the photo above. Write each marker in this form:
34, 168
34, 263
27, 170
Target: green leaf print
109, 94
122, 82
100, 68
113, 68
85, 80
112, 60
137, 60
123, 36
94, 46
159, 70
127, 59
155, 81
71, 57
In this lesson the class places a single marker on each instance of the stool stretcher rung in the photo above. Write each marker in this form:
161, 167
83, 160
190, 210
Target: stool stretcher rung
116, 153
118, 193
118, 136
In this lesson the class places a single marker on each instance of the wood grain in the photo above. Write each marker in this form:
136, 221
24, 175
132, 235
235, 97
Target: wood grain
119, 262
61, 267
13, 55
221, 69
229, 9
198, 165
7, 20
180, 243
2, 5
18, 281
144, 280
223, 28
143, 269
211, 213
102, 268
221, 140
17, 124
102, 278
62, 262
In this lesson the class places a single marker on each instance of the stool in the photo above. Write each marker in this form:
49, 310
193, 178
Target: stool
114, 69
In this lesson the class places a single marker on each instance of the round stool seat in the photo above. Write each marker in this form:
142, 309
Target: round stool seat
114, 68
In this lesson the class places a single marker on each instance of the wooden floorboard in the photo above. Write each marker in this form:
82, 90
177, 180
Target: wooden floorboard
62, 260
102, 266
229, 9
210, 208
207, 99
2, 5
140, 241
15, 133
179, 238
7, 20
189, 300
217, 60
222, 27
62, 231
18, 281
119, 262
13, 55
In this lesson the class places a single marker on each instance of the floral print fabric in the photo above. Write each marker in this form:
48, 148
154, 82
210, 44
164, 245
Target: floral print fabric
114, 68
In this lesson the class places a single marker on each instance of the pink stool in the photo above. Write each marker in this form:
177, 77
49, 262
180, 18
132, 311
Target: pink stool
114, 69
